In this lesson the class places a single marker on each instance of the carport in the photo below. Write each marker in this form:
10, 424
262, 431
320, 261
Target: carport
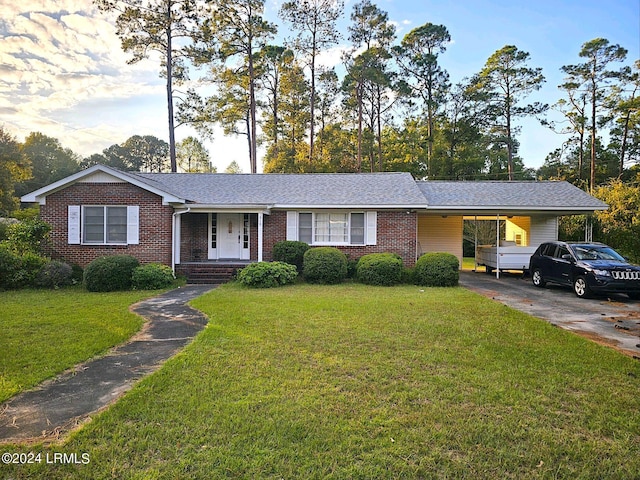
529, 210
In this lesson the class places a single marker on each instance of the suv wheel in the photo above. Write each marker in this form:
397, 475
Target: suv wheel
537, 279
581, 288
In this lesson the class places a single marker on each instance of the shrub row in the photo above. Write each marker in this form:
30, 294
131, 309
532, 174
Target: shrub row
123, 272
328, 265
31, 270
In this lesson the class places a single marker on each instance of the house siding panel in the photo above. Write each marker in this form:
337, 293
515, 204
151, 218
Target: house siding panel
155, 223
440, 234
543, 229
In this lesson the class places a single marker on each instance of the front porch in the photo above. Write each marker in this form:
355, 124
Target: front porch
211, 245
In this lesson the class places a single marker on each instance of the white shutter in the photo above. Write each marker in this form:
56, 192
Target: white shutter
133, 223
73, 225
292, 225
372, 228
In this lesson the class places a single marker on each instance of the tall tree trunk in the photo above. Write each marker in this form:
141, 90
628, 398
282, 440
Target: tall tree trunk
172, 137
312, 119
253, 150
623, 146
247, 120
592, 176
509, 145
429, 129
581, 155
379, 135
359, 99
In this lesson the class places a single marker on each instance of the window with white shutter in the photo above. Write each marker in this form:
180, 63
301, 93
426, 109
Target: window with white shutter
104, 225
332, 228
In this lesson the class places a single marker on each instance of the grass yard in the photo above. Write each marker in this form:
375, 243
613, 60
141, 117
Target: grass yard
355, 382
45, 332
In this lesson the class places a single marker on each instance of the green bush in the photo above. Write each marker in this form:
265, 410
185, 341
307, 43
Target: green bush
27, 236
352, 267
9, 266
152, 276
408, 276
78, 273
291, 252
17, 271
324, 265
4, 227
108, 274
55, 274
268, 274
437, 269
380, 269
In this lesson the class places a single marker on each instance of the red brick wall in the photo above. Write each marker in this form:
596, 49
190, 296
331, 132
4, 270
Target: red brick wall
396, 234
155, 222
194, 236
275, 230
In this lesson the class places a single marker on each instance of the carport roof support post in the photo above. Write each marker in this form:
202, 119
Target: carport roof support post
498, 246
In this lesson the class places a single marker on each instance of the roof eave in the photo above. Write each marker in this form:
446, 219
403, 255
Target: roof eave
363, 206
40, 195
496, 209
221, 208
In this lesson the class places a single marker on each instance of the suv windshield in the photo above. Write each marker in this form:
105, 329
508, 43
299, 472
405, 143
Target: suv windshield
595, 252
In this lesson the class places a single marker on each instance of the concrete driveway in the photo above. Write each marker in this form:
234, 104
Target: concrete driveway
612, 321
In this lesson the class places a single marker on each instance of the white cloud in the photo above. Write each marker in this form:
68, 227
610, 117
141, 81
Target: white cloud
59, 55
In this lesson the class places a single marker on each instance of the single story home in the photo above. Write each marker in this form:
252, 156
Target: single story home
197, 222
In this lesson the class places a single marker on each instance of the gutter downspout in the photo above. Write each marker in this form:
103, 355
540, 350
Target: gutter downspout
174, 235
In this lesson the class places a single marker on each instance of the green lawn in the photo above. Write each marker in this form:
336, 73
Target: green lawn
45, 332
351, 381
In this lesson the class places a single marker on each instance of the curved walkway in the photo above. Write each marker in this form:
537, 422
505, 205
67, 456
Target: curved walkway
61, 404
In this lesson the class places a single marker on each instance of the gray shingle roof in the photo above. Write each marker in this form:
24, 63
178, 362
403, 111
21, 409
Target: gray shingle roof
322, 189
547, 195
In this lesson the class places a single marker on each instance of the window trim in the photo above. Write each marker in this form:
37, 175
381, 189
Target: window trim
365, 227
132, 220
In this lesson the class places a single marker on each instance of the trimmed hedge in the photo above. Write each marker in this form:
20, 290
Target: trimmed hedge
437, 269
152, 276
268, 274
55, 274
108, 274
383, 269
326, 265
291, 252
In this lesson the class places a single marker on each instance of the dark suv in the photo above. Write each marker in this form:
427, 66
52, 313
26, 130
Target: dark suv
587, 267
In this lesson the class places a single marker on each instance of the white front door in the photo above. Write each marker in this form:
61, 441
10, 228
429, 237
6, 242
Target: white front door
230, 230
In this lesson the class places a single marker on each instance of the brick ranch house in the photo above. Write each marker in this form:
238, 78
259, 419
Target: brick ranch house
198, 222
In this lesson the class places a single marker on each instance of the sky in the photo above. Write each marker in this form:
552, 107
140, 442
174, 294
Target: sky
63, 73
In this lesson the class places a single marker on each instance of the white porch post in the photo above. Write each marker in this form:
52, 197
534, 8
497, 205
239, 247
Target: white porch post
177, 240
260, 227
498, 246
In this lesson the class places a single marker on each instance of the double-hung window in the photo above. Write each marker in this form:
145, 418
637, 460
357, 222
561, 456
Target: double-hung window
103, 224
331, 228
